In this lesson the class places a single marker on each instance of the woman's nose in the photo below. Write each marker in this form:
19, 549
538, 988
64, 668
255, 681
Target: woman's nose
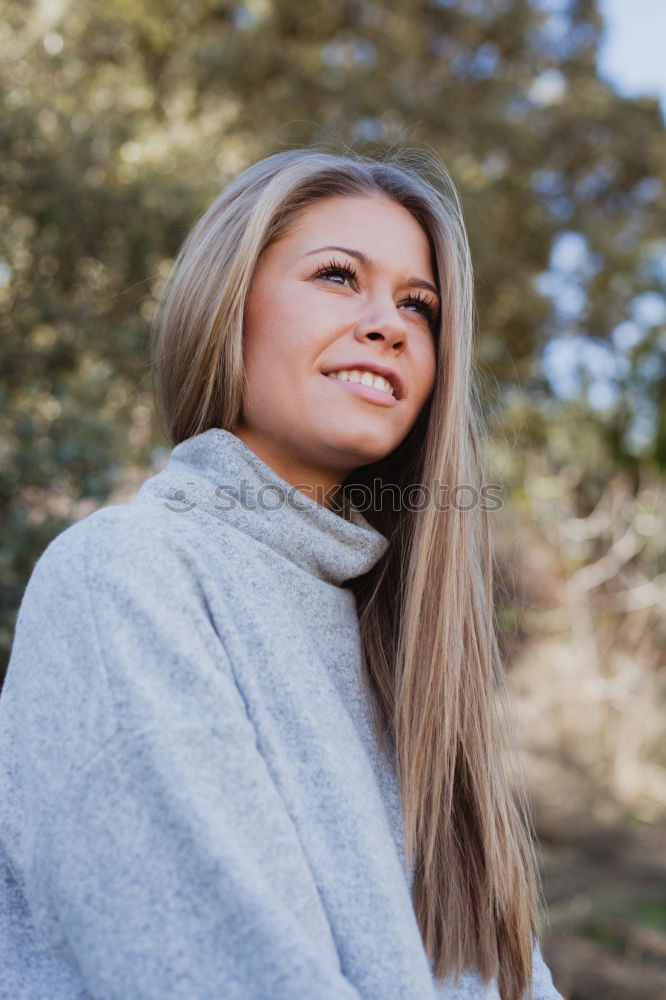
382, 321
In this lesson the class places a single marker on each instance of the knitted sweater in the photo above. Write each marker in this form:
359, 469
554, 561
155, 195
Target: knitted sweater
193, 805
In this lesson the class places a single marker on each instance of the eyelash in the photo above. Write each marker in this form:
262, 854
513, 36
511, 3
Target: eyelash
334, 267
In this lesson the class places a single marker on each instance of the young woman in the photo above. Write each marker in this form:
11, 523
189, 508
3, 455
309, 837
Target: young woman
250, 743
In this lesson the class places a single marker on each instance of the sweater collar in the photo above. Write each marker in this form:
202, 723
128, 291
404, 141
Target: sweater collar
217, 474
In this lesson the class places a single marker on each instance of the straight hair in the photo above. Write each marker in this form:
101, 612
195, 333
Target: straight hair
433, 670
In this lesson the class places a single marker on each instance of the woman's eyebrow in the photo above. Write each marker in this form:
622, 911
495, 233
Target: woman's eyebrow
365, 260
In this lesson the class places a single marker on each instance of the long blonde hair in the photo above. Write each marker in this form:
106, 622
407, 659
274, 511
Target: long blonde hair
426, 609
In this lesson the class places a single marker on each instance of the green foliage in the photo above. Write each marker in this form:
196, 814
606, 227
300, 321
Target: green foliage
120, 121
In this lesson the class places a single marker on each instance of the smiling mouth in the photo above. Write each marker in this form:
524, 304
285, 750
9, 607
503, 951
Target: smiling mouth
365, 389
363, 378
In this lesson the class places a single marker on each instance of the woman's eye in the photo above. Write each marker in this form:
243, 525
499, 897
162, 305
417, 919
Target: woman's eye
337, 273
423, 306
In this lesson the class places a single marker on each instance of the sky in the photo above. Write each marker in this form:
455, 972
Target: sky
633, 51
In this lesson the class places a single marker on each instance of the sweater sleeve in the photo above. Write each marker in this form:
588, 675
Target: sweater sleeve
156, 853
543, 987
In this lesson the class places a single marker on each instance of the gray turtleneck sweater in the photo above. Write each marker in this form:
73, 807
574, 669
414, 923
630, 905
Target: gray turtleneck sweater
193, 805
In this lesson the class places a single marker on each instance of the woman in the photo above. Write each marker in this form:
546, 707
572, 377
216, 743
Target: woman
250, 747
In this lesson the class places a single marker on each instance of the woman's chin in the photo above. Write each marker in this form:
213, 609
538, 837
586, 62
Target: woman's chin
363, 445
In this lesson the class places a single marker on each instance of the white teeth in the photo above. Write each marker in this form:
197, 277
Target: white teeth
364, 378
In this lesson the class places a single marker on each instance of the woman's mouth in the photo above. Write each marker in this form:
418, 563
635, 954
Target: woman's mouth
374, 388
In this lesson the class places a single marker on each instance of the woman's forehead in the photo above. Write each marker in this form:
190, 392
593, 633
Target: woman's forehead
375, 225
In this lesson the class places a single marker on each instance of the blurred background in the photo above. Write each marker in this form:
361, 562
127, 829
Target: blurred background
120, 123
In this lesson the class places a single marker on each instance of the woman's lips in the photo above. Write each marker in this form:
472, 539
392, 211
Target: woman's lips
365, 391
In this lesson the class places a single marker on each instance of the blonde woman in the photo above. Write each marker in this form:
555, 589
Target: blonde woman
250, 745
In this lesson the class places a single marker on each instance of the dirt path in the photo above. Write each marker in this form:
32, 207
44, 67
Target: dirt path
606, 892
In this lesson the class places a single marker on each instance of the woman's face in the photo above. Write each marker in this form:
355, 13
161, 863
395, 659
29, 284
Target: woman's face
350, 286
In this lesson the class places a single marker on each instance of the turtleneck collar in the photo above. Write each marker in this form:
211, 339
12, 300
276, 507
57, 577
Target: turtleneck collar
215, 474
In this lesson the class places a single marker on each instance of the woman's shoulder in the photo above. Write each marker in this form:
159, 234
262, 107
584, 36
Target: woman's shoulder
114, 548
139, 539
107, 537
115, 599
135, 566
